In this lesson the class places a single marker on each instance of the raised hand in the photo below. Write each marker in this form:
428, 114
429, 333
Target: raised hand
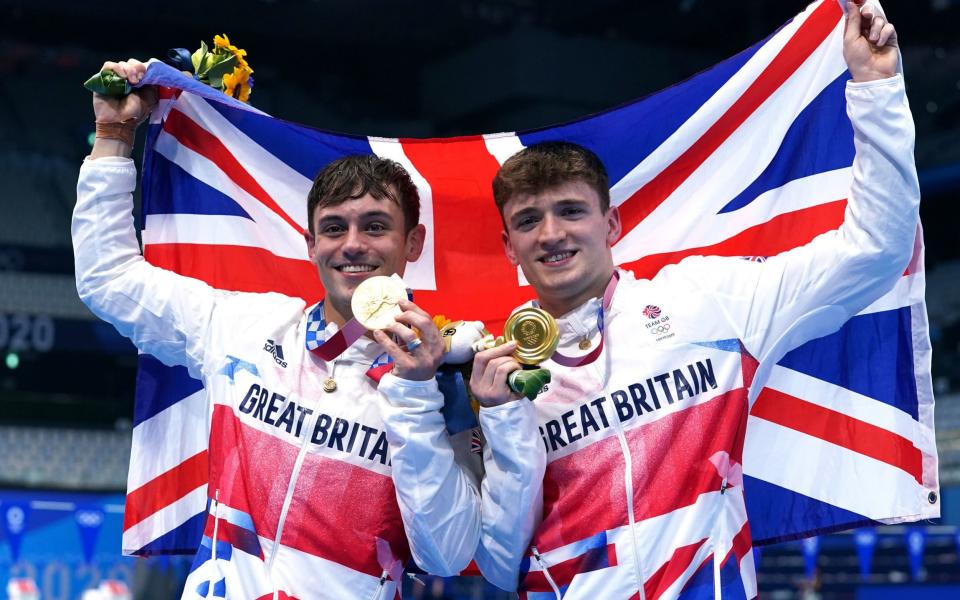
869, 43
117, 118
134, 107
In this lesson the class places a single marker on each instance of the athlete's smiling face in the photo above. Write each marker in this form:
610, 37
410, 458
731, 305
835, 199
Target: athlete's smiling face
357, 239
561, 239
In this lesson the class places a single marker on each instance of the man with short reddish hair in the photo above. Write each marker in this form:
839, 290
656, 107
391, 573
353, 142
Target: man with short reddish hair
644, 419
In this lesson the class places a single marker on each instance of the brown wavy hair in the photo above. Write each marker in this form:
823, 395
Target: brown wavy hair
549, 164
354, 176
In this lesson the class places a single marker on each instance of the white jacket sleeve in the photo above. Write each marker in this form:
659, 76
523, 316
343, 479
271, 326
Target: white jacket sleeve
810, 291
164, 314
441, 508
514, 463
438, 498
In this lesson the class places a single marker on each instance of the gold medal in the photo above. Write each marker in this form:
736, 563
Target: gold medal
584, 344
536, 334
375, 302
329, 385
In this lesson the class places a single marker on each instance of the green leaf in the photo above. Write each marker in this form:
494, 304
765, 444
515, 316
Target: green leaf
198, 57
221, 68
108, 83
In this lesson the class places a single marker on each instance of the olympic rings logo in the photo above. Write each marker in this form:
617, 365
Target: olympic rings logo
660, 329
89, 518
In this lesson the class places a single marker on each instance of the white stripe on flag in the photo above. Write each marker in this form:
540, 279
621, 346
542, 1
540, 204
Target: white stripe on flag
660, 536
164, 520
284, 184
796, 195
748, 574
738, 161
218, 230
151, 452
273, 233
847, 480
706, 115
848, 402
422, 273
502, 145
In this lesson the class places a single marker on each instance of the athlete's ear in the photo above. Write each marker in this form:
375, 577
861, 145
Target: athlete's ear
415, 240
614, 226
309, 239
508, 248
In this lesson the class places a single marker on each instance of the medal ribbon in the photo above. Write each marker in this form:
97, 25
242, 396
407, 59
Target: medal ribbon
341, 340
338, 343
586, 359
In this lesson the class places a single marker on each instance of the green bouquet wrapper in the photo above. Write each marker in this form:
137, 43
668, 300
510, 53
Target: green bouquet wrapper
108, 83
528, 382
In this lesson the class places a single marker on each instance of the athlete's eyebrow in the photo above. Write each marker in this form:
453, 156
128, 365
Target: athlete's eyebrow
377, 214
571, 202
367, 216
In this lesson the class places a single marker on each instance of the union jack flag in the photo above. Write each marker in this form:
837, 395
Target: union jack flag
749, 158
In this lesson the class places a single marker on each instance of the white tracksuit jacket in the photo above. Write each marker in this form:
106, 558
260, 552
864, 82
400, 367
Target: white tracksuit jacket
643, 489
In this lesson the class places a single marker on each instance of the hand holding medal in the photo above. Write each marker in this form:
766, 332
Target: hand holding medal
404, 330
376, 301
536, 334
530, 336
507, 364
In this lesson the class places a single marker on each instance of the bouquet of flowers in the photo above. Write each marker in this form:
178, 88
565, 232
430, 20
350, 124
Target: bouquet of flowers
222, 67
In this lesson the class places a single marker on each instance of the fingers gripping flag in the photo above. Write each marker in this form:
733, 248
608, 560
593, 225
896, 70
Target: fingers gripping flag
749, 158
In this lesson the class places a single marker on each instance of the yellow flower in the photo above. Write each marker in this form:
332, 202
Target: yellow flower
237, 84
440, 321
222, 42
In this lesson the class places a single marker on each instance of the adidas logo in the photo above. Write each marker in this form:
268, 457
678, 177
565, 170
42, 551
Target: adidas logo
277, 351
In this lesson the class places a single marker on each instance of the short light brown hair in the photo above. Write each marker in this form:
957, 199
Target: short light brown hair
549, 164
354, 176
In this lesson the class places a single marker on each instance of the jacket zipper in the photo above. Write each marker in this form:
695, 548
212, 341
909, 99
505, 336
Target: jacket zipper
291, 486
216, 522
546, 572
628, 489
381, 585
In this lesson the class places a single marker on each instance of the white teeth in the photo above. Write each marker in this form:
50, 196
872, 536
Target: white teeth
356, 268
557, 257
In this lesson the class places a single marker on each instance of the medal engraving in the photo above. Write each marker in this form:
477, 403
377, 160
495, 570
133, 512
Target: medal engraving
375, 302
536, 334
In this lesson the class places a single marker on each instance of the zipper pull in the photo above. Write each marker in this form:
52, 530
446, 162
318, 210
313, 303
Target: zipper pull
546, 572
417, 579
